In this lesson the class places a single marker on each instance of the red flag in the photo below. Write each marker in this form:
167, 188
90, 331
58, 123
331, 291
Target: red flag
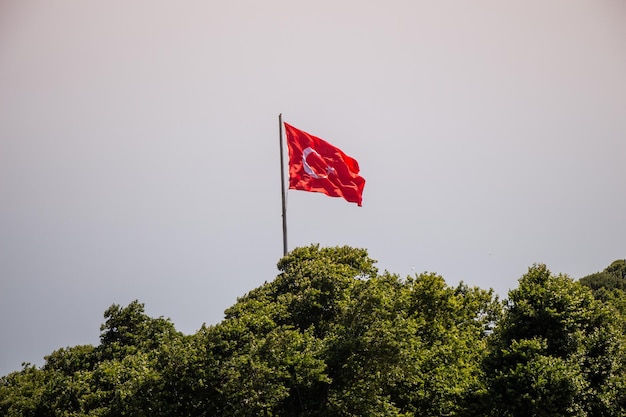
316, 165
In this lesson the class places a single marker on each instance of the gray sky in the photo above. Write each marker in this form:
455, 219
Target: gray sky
139, 148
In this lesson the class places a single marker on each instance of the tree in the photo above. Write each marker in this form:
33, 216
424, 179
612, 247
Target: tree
129, 377
271, 344
612, 277
408, 347
21, 392
332, 336
556, 351
127, 330
329, 336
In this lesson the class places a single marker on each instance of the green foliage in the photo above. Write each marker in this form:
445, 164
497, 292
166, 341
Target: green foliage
330, 336
129, 330
407, 347
530, 383
555, 352
617, 268
609, 287
21, 392
613, 277
603, 280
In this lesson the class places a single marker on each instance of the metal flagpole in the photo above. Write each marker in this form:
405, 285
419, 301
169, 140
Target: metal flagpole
282, 182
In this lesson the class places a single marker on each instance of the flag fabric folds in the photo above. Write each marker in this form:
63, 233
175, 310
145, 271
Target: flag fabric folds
316, 165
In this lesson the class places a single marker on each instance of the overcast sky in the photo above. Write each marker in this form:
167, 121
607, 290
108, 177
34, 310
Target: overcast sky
139, 152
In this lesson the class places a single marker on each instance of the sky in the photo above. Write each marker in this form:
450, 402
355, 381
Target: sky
139, 148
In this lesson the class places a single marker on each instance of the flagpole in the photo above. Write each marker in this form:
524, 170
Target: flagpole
282, 182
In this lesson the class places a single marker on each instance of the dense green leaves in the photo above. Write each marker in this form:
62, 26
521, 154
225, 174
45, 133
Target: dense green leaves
613, 277
556, 352
330, 336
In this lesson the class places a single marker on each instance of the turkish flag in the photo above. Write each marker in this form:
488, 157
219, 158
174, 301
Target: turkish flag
316, 165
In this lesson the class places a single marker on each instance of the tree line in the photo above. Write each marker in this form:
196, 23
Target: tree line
332, 336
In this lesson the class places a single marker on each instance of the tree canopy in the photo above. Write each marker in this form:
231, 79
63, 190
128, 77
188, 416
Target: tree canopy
332, 336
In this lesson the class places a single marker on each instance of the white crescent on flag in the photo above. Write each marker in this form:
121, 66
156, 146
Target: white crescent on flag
307, 168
